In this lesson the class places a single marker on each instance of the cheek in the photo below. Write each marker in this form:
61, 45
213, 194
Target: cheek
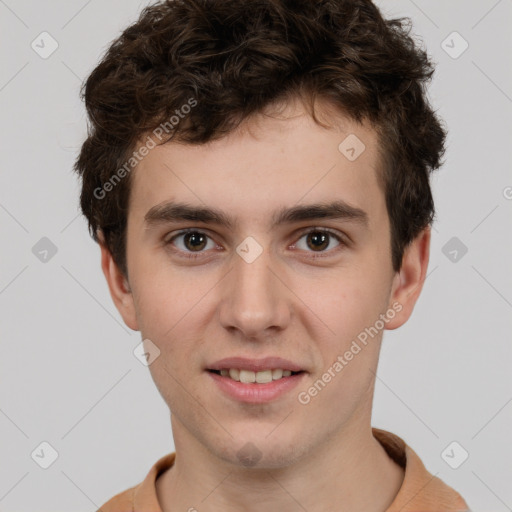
167, 306
167, 298
349, 307
348, 301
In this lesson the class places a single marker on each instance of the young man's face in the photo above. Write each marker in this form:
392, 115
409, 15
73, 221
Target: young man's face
304, 298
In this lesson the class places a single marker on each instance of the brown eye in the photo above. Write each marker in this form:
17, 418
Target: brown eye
194, 241
317, 240
320, 241
189, 242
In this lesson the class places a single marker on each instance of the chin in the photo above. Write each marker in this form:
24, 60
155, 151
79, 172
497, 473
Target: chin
260, 452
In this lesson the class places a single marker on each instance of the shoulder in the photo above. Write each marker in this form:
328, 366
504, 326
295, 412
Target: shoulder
142, 497
420, 489
121, 502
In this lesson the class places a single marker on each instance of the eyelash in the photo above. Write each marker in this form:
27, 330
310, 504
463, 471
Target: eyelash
192, 255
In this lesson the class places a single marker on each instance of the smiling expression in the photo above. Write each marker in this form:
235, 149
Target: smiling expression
267, 243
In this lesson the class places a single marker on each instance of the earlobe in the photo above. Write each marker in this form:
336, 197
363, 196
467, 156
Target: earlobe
408, 282
119, 288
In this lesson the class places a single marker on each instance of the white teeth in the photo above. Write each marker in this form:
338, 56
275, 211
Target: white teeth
248, 376
277, 373
234, 373
264, 377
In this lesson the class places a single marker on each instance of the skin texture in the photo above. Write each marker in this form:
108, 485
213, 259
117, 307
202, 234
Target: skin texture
285, 303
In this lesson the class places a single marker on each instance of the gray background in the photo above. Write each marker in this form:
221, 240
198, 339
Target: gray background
67, 370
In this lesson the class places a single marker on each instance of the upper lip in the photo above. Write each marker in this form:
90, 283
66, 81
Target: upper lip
255, 365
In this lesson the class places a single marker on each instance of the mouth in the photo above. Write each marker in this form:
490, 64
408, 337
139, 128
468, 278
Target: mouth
255, 377
255, 381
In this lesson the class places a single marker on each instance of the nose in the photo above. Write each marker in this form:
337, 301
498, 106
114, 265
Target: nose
255, 300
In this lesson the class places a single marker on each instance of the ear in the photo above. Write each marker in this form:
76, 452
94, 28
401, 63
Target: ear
118, 286
408, 282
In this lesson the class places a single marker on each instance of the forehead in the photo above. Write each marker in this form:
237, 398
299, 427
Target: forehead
267, 163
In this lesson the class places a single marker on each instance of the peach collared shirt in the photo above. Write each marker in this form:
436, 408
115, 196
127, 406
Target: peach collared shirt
420, 491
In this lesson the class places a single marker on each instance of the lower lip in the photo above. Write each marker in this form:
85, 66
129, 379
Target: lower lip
256, 393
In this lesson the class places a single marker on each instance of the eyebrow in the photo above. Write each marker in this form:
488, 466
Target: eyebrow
171, 211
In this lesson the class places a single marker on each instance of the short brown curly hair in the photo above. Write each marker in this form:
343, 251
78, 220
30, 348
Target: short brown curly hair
236, 57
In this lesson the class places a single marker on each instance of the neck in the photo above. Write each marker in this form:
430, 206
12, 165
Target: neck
350, 472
